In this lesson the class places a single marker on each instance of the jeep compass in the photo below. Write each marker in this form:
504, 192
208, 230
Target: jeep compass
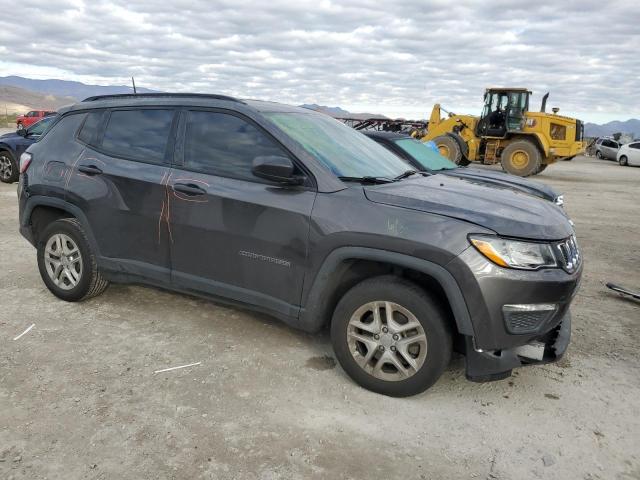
289, 212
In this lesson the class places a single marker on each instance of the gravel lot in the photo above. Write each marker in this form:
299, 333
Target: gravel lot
79, 397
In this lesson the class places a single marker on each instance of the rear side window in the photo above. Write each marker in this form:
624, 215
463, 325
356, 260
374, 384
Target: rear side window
89, 131
139, 134
635, 145
225, 145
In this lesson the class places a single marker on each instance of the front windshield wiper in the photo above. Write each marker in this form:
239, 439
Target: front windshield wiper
406, 174
367, 179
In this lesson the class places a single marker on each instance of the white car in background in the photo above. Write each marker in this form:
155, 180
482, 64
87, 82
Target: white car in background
629, 154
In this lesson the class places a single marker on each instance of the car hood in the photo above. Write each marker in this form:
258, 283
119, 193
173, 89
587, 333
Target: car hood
504, 180
505, 211
9, 135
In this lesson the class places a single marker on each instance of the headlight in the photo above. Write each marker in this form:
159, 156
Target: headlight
515, 254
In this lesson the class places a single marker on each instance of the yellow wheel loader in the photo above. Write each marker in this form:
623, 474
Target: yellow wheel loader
523, 142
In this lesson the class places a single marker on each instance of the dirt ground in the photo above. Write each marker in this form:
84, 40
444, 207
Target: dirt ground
79, 398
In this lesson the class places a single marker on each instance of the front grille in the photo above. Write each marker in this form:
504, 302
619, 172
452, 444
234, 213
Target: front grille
568, 254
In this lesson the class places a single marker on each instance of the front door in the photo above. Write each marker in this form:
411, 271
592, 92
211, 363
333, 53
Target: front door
234, 234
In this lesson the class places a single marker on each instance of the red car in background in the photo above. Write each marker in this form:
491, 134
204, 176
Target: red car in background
24, 121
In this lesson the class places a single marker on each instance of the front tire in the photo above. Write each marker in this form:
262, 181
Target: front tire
67, 263
9, 171
623, 161
599, 155
521, 158
391, 337
450, 148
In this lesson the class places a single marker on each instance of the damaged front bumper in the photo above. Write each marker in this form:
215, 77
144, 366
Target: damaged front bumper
486, 366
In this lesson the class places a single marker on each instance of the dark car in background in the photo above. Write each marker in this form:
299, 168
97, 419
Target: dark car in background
292, 213
13, 144
423, 158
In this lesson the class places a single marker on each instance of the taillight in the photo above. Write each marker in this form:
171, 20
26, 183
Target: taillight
25, 161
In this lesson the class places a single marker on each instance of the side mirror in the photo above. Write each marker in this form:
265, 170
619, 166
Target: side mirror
276, 168
22, 132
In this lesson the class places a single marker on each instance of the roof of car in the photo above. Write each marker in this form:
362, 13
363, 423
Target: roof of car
385, 135
179, 99
265, 106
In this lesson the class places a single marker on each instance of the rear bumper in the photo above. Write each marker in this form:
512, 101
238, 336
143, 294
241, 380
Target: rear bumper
483, 366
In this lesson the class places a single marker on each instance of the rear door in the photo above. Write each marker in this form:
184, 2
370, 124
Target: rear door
119, 181
234, 234
612, 149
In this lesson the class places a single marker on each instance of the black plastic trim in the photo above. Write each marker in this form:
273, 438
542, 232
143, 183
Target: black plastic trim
311, 315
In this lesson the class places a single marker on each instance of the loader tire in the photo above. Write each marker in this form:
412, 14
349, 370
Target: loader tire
450, 148
521, 158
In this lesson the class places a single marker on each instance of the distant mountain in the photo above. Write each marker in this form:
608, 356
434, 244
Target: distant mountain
631, 126
18, 100
338, 112
66, 88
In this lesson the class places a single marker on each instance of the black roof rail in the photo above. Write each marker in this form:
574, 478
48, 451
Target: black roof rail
161, 95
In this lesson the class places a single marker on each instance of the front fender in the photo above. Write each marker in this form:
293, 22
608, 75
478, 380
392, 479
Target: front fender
313, 314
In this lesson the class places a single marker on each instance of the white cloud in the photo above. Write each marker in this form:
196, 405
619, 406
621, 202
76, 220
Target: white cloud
396, 58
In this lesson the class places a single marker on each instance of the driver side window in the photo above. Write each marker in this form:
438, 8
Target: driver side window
225, 145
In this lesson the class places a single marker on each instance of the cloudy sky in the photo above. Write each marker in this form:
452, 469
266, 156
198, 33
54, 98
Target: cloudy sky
395, 58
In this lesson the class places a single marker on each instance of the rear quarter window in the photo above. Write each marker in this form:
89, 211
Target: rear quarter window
89, 130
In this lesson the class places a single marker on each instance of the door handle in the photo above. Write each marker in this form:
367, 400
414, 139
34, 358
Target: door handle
90, 169
189, 189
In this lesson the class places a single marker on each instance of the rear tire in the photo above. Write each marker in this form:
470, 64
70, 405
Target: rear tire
398, 363
67, 263
623, 161
542, 168
521, 158
450, 148
20, 126
9, 171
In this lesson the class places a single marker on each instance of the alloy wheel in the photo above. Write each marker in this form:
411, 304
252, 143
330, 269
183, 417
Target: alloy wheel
387, 341
6, 168
63, 261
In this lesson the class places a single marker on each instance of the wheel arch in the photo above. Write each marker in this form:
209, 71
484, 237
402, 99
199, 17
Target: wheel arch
6, 148
39, 211
346, 266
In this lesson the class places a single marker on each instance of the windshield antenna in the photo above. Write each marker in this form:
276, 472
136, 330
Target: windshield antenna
134, 86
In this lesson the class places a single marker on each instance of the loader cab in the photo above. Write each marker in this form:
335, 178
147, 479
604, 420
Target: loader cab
503, 112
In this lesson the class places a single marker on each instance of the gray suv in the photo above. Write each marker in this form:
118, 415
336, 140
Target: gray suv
289, 212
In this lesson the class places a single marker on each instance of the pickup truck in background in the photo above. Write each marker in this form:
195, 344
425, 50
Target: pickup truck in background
24, 121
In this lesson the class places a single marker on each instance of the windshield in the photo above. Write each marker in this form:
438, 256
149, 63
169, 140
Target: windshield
425, 155
343, 150
41, 126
